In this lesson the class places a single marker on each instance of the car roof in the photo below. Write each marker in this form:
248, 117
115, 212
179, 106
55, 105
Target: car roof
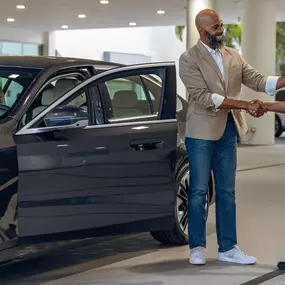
44, 62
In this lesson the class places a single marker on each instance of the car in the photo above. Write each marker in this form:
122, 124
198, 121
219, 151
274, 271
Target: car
279, 117
91, 148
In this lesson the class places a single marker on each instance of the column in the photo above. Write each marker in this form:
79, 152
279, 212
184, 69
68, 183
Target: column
258, 49
49, 44
193, 8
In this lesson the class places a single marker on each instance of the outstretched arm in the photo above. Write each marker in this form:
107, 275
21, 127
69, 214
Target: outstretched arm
278, 107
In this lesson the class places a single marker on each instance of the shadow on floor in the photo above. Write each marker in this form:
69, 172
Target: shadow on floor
182, 267
67, 261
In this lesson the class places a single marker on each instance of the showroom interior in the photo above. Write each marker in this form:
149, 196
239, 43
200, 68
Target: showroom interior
131, 32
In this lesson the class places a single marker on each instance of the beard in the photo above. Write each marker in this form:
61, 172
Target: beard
212, 40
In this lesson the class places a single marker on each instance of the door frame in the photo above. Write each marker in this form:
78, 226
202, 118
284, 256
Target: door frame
167, 70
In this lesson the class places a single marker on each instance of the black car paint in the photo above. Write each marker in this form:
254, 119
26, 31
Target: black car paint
155, 214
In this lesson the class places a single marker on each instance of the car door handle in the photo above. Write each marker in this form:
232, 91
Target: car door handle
146, 144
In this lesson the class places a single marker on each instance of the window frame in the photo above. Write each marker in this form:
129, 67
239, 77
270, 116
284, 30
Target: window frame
165, 70
105, 101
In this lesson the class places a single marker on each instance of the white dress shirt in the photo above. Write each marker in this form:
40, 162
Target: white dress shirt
271, 82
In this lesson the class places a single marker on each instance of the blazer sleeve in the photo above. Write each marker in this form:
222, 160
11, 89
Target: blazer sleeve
252, 78
194, 82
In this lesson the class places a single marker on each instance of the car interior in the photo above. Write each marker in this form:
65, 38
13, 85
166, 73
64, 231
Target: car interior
128, 98
126, 104
51, 93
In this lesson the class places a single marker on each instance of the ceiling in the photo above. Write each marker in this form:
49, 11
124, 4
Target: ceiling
47, 15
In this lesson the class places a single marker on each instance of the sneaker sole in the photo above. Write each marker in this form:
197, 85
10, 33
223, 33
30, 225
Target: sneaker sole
197, 263
230, 260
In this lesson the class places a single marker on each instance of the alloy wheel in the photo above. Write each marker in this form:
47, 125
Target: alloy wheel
182, 203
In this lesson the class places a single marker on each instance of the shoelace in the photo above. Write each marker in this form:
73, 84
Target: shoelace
198, 251
237, 251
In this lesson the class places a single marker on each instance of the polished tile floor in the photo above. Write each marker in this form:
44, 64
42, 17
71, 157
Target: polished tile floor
260, 198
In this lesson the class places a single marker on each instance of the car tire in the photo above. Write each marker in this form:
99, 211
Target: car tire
179, 234
278, 126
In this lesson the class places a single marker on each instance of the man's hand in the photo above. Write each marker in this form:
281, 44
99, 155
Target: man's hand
256, 108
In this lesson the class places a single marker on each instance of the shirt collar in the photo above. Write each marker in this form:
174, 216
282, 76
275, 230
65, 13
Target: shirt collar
213, 51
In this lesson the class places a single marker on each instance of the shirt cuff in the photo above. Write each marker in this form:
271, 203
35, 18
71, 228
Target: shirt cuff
271, 84
217, 100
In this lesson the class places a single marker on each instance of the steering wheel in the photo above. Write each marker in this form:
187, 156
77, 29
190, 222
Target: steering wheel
3, 109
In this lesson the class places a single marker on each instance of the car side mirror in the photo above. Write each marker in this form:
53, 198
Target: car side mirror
69, 116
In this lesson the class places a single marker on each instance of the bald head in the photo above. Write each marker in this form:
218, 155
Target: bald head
210, 27
205, 18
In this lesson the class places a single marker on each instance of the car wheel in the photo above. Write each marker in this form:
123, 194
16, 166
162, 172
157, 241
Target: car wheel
278, 126
179, 235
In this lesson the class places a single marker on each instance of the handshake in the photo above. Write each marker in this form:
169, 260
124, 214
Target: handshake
256, 108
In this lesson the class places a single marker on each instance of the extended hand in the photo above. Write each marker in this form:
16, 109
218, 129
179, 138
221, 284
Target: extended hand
256, 108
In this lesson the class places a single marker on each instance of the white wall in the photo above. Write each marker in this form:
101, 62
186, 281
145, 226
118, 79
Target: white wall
159, 43
21, 35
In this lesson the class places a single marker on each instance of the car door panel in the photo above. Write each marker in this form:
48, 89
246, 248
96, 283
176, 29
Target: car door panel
102, 175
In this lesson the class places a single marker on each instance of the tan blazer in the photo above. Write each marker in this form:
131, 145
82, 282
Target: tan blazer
202, 77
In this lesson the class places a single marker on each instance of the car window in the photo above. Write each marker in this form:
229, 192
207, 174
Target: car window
13, 84
74, 110
131, 97
52, 91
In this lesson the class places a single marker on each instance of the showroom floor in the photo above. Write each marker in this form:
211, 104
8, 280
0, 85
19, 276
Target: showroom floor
261, 213
261, 230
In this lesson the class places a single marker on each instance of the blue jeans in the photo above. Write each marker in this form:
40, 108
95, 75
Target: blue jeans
219, 156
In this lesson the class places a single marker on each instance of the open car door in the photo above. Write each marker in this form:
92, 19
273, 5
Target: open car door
89, 166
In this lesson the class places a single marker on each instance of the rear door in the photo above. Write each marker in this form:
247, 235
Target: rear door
117, 173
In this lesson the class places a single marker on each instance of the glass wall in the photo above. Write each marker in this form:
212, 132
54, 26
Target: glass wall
17, 48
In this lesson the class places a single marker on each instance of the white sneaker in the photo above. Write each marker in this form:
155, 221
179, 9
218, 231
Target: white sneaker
197, 256
235, 255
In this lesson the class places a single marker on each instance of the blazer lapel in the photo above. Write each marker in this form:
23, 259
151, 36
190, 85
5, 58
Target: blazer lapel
208, 57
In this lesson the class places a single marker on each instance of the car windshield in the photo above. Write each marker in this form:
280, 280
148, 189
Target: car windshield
14, 82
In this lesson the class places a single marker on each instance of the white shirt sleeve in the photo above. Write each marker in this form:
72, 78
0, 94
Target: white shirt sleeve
217, 100
271, 83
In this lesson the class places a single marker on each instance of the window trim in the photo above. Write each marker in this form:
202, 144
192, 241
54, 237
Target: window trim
140, 124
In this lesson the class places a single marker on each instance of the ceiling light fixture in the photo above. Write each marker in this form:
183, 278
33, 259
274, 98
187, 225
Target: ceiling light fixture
20, 7
10, 20
132, 24
81, 16
104, 1
64, 27
160, 12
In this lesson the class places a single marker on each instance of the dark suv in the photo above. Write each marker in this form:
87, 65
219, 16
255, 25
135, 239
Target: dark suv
91, 148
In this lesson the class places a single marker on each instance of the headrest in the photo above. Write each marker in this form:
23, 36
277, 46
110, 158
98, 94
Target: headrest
47, 97
61, 87
64, 85
125, 98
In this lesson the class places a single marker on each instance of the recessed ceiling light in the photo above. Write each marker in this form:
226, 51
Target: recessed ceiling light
104, 1
160, 12
20, 7
64, 27
81, 16
10, 20
132, 24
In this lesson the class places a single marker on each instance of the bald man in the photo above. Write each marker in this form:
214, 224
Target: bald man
213, 75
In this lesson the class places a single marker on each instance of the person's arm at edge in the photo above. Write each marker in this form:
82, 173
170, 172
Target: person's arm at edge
278, 107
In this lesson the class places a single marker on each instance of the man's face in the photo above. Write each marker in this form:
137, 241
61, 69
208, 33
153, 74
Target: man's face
214, 33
